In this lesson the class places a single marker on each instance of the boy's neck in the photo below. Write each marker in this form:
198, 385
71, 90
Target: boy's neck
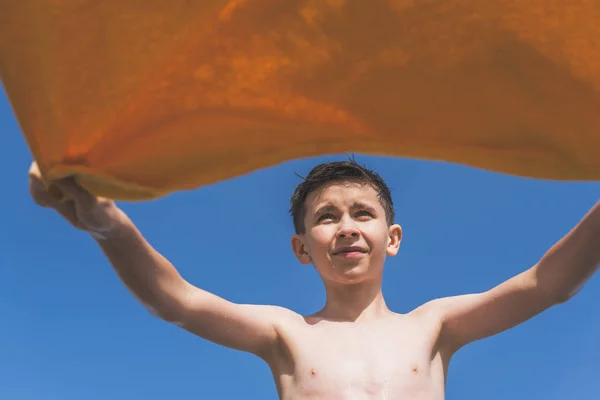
362, 302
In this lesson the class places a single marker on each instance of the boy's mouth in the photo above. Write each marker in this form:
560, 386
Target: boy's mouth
350, 250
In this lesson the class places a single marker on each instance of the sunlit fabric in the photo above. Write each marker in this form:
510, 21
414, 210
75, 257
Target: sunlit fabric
141, 98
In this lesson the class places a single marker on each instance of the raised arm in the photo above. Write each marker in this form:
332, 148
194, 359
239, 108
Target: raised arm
152, 279
559, 274
157, 285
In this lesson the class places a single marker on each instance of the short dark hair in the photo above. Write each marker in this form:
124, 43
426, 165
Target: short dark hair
338, 171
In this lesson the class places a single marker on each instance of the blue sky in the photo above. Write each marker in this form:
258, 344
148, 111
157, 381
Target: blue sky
69, 330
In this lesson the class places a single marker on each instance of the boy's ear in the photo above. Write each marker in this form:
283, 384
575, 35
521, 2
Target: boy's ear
395, 237
300, 250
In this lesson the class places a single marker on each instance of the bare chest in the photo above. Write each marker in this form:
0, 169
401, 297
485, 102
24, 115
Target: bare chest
348, 362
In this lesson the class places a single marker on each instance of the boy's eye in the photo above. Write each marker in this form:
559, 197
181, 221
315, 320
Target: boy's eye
326, 216
363, 213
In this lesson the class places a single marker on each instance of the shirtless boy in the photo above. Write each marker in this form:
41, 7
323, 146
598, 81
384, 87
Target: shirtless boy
355, 347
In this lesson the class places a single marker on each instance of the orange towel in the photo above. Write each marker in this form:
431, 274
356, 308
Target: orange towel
140, 98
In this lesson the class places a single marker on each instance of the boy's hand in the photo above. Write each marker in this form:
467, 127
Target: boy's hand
86, 212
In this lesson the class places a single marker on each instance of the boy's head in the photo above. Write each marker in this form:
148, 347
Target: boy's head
343, 216
338, 171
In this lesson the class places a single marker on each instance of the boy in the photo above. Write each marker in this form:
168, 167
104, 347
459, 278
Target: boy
355, 347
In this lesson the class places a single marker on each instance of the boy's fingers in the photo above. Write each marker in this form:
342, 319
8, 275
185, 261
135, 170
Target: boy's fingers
76, 193
41, 195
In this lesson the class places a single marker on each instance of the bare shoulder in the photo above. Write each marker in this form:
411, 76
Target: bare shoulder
430, 313
428, 309
281, 316
271, 310
282, 319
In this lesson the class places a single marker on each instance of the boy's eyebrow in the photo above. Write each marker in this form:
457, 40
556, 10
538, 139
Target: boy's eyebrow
356, 205
363, 206
325, 208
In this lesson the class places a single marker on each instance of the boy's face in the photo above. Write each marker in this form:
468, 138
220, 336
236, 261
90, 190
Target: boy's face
346, 234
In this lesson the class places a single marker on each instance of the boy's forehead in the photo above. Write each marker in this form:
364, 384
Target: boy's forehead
342, 193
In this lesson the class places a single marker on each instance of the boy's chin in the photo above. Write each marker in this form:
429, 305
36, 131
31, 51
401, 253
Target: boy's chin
352, 274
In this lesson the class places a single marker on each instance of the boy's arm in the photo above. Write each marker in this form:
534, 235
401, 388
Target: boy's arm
153, 280
157, 285
560, 274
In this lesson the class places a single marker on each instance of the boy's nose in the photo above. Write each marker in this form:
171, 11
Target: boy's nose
347, 230
347, 233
